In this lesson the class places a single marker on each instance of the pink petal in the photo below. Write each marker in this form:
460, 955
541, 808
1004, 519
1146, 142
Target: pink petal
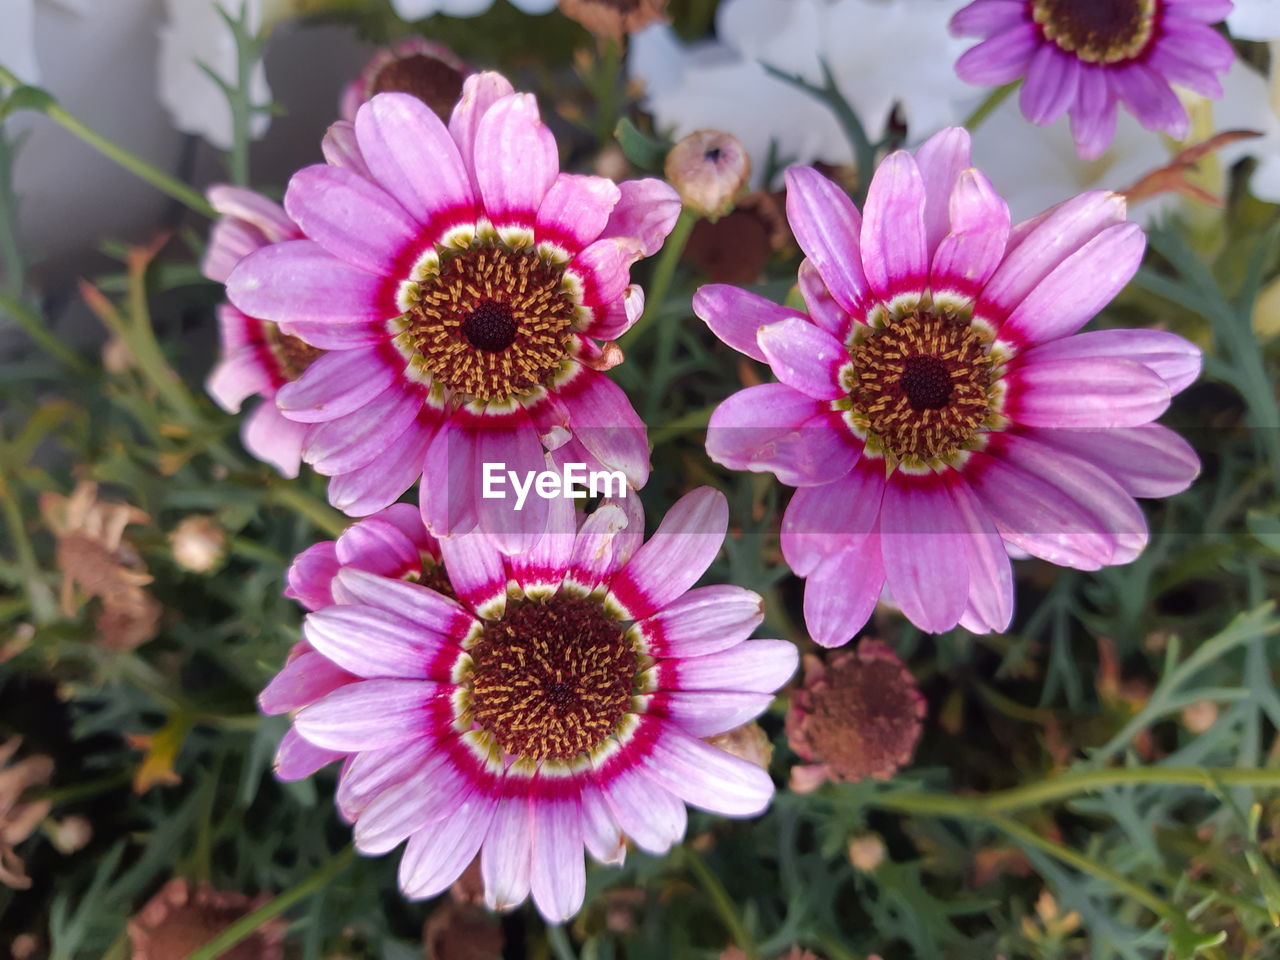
969, 254
429, 610
826, 225
1001, 58
265, 215
436, 856
328, 335
353, 440
380, 482
822, 520
448, 492
990, 573
336, 384
413, 158
600, 832
822, 306
380, 546
752, 666
1081, 285
1038, 247
557, 874
368, 714
517, 449
341, 149
601, 546
476, 572
646, 213
297, 759
1054, 506
1147, 461
603, 420
842, 591
1150, 98
303, 680
507, 855
515, 160
773, 428
1093, 117
704, 621
480, 91
734, 315
986, 17
941, 160
895, 252
604, 269
273, 439
1050, 88
352, 218
1084, 393
545, 564
311, 574
921, 537
239, 376
705, 713
1175, 359
678, 553
299, 280
647, 813
576, 209
804, 357
703, 776
372, 643
427, 795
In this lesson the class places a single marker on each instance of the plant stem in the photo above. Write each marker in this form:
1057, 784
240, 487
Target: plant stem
606, 90
663, 273
33, 326
721, 900
559, 942
134, 164
1069, 785
40, 598
323, 516
247, 925
988, 106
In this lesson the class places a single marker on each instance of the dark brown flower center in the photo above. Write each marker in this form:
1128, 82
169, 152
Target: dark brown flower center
431, 80
293, 355
551, 680
921, 385
491, 321
1097, 31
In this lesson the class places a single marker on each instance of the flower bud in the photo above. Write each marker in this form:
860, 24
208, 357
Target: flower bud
429, 71
198, 544
709, 169
866, 852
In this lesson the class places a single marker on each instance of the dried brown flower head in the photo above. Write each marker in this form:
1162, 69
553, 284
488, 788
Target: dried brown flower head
735, 248
96, 558
458, 931
857, 715
614, 18
416, 66
709, 168
182, 917
19, 817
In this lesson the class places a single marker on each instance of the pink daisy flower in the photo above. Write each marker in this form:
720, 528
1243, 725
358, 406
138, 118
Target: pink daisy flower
458, 283
545, 704
257, 358
937, 401
1083, 56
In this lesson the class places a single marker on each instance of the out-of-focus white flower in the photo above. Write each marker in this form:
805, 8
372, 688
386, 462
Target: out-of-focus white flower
868, 45
196, 34
1255, 20
1035, 167
411, 10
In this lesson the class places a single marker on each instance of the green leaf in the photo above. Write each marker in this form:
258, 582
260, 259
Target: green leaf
1265, 528
644, 151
